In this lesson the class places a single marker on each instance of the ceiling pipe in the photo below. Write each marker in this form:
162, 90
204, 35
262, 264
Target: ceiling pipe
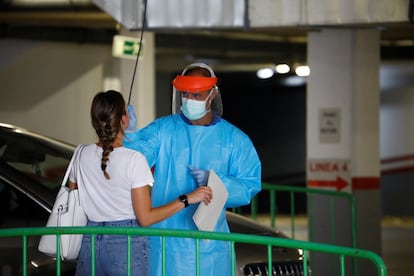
56, 13
47, 3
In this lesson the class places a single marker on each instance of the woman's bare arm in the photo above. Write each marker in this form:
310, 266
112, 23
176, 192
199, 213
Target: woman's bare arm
146, 215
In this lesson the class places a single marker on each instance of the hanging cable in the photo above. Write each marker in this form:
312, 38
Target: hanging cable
144, 19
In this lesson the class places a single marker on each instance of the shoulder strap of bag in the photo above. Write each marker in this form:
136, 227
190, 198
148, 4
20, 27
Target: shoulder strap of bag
69, 168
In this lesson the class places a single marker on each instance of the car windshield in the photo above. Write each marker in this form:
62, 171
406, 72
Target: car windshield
38, 157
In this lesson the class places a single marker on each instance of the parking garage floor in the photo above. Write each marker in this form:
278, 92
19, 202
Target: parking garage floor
398, 246
397, 240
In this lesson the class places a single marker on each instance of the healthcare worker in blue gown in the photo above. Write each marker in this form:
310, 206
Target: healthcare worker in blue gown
182, 148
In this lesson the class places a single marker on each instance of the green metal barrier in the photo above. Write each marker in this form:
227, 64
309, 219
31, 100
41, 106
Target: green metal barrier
273, 189
233, 238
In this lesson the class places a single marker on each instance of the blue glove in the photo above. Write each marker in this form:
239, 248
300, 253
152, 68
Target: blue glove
200, 176
132, 119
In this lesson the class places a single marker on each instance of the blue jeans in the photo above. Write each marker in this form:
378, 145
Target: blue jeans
111, 252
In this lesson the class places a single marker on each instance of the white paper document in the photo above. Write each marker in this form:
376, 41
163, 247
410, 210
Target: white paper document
205, 216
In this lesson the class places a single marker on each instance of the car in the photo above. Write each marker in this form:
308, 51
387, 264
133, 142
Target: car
32, 167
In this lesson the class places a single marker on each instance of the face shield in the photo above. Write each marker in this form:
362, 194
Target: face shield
196, 84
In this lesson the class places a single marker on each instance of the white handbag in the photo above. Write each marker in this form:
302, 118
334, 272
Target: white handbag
66, 211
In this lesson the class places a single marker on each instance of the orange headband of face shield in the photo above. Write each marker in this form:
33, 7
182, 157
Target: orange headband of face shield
193, 84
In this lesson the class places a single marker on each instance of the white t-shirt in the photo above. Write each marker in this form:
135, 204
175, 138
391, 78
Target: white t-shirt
109, 199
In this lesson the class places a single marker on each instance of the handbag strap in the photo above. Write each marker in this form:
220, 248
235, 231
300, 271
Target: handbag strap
65, 179
69, 168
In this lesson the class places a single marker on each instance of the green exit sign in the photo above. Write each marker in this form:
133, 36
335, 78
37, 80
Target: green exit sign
126, 47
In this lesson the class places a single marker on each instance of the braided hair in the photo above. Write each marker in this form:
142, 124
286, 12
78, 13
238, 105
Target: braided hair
106, 114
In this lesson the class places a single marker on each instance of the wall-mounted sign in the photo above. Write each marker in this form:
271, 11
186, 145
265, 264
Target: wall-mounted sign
329, 125
126, 47
332, 174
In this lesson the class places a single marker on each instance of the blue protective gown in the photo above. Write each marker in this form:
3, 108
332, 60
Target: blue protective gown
171, 145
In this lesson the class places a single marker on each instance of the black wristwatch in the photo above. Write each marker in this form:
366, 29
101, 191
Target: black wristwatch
184, 199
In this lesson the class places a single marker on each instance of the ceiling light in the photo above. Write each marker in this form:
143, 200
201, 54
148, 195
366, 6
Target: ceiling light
282, 68
265, 73
302, 71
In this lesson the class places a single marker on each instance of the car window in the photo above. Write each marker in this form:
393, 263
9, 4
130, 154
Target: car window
35, 161
18, 210
36, 158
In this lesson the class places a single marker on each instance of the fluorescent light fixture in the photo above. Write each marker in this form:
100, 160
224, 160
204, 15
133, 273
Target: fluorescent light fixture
265, 73
302, 71
282, 68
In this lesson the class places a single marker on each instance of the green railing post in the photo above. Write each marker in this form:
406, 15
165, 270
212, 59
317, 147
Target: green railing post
198, 257
129, 255
254, 207
58, 268
24, 254
292, 213
269, 260
233, 259
164, 256
273, 208
342, 264
305, 262
93, 259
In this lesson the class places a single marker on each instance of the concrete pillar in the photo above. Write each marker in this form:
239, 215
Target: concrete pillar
343, 142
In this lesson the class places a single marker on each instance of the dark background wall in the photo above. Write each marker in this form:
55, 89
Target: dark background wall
273, 115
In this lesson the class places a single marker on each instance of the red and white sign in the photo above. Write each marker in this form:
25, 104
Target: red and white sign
332, 174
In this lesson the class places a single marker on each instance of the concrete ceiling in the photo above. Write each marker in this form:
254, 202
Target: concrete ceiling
226, 48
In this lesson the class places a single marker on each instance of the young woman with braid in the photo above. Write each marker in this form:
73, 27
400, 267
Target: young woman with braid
113, 184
